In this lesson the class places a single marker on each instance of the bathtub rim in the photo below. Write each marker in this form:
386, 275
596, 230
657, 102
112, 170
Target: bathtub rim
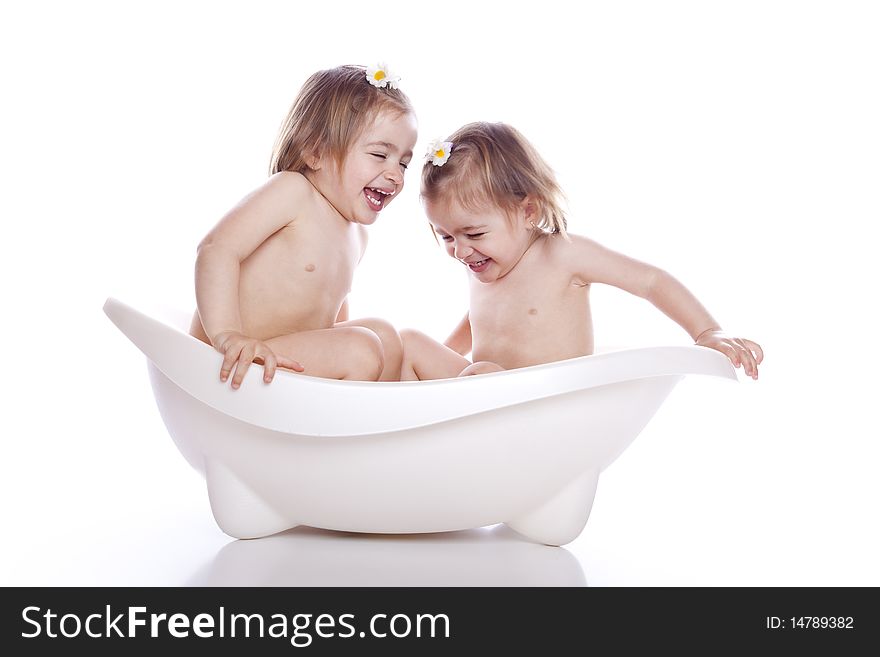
346, 408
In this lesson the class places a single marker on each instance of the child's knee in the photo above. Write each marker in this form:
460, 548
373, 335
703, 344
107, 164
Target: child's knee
388, 336
412, 339
365, 359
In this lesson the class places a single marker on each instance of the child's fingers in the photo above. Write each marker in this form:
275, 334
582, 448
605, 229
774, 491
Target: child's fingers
750, 365
290, 364
740, 357
230, 356
269, 363
238, 357
244, 362
241, 369
755, 348
731, 352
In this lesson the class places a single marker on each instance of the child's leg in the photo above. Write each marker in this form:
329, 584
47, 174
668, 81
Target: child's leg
392, 348
350, 352
425, 358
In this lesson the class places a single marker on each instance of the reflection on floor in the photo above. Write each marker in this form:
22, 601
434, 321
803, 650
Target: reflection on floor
494, 556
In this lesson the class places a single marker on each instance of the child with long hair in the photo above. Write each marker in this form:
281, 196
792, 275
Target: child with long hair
272, 277
495, 204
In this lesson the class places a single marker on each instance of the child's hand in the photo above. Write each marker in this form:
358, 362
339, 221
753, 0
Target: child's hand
740, 351
239, 351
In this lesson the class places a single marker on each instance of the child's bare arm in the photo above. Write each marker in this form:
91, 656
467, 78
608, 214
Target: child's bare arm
218, 266
595, 263
671, 296
461, 340
236, 236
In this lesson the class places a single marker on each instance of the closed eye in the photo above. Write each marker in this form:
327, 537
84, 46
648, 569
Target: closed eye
383, 156
445, 238
475, 236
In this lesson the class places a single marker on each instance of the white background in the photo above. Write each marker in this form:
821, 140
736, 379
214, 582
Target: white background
734, 144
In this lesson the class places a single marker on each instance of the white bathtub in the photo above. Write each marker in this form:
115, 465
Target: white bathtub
524, 447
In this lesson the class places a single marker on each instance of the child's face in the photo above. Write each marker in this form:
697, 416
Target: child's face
489, 242
372, 173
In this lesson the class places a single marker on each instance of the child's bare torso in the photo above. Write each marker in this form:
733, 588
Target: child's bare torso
299, 277
538, 313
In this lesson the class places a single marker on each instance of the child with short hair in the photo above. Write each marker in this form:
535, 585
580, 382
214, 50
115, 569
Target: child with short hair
494, 203
272, 277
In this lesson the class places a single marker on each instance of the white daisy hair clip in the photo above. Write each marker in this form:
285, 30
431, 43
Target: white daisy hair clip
379, 76
438, 152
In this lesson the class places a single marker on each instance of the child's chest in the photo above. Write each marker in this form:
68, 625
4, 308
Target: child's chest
324, 255
528, 301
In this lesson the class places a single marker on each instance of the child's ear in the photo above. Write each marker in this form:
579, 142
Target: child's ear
313, 159
529, 210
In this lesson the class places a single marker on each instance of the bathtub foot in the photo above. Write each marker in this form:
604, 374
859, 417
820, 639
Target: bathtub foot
239, 512
560, 520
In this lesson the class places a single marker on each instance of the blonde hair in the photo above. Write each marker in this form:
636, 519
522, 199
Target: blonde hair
493, 164
331, 110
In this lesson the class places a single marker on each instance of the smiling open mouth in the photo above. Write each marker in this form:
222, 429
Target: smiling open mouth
377, 197
479, 265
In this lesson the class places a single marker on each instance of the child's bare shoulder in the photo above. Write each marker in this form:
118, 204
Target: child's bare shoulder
570, 255
285, 195
291, 184
562, 249
572, 247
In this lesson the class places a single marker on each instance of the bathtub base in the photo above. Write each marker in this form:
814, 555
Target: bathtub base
560, 520
239, 511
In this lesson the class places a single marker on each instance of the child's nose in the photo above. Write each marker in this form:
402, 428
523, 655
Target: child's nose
462, 251
395, 176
